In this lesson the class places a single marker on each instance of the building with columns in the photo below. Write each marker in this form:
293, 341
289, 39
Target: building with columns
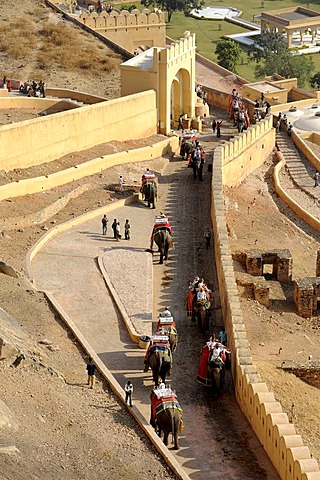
298, 25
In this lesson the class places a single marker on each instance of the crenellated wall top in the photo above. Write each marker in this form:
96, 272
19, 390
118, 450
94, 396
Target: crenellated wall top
124, 17
185, 45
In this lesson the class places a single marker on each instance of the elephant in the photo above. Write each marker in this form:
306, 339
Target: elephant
160, 361
164, 241
200, 311
173, 338
216, 373
172, 333
186, 149
149, 192
166, 417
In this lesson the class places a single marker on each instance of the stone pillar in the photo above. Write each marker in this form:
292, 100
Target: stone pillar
254, 264
303, 294
318, 264
284, 270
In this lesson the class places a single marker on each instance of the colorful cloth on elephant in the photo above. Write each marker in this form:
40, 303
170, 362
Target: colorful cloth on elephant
161, 347
190, 302
161, 226
160, 404
202, 376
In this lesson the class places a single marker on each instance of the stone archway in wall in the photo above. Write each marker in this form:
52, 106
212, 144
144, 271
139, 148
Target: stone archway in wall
181, 95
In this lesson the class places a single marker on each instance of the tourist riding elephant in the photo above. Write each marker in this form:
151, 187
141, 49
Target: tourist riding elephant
149, 191
166, 417
164, 241
160, 362
201, 313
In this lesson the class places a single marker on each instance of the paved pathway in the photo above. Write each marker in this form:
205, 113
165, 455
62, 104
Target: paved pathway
217, 441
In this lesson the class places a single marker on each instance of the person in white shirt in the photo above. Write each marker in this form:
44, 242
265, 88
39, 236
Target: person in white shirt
201, 295
128, 388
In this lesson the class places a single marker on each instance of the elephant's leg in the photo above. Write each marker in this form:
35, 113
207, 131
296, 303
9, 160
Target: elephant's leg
161, 255
155, 376
176, 440
165, 438
216, 380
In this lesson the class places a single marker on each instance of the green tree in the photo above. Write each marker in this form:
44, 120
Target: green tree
171, 6
315, 81
228, 54
272, 55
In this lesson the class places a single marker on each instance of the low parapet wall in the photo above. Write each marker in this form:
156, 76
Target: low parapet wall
299, 141
278, 436
44, 139
46, 182
49, 105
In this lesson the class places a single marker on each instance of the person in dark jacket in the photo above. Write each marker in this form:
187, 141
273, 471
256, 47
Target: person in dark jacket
91, 368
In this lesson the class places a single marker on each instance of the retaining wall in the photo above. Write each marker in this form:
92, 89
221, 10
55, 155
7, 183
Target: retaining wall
278, 436
301, 212
299, 141
44, 139
46, 182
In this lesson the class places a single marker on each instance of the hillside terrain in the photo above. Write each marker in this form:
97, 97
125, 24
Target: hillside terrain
54, 426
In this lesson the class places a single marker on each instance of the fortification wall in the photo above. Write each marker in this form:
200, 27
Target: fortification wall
247, 152
129, 29
44, 139
271, 425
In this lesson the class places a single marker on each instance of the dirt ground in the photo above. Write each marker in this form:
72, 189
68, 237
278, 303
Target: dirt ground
44, 398
279, 338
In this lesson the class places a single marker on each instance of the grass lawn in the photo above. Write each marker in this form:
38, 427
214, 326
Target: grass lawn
208, 32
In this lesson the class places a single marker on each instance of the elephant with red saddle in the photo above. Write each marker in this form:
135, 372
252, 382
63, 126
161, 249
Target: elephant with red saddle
164, 242
159, 358
166, 415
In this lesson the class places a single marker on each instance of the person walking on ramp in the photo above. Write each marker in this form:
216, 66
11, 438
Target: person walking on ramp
128, 388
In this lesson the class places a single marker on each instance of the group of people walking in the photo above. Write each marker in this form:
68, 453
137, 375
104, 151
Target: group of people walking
116, 228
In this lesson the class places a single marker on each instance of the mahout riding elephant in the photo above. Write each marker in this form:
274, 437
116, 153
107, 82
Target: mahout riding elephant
160, 361
164, 241
201, 313
166, 417
149, 191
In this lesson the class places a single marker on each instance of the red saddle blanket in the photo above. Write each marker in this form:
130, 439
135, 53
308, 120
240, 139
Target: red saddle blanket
202, 376
160, 404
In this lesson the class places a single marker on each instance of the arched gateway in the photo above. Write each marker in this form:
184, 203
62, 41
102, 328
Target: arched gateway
170, 72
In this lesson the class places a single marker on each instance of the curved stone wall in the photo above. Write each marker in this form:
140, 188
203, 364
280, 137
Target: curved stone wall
277, 435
